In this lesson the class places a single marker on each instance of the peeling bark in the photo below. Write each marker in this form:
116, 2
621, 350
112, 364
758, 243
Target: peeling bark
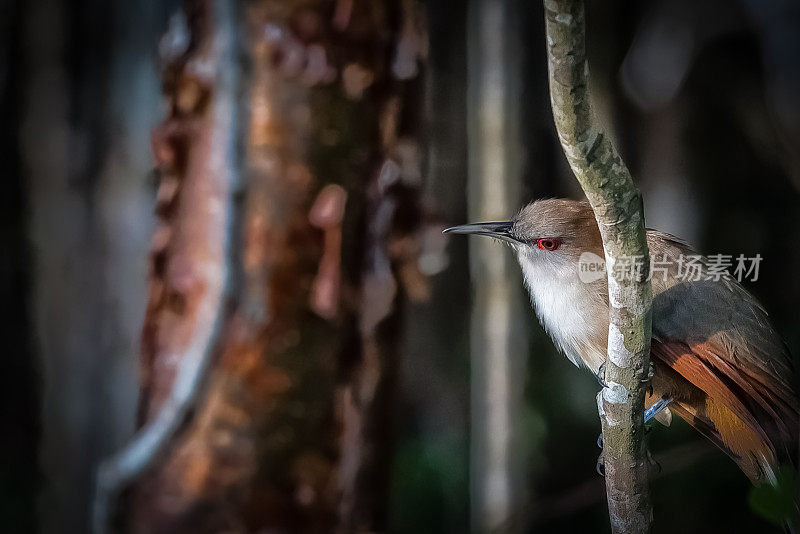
377, 117
260, 451
191, 267
293, 430
617, 204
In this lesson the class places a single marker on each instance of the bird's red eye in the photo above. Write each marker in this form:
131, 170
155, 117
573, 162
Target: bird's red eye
548, 243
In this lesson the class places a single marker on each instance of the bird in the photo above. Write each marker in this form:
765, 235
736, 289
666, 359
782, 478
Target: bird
716, 360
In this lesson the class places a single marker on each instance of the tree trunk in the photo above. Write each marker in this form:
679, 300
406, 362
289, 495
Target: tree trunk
292, 431
618, 208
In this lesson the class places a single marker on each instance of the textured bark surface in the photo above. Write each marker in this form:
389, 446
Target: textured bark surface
617, 205
292, 432
191, 265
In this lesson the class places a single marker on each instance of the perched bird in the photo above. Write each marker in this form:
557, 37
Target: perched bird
717, 361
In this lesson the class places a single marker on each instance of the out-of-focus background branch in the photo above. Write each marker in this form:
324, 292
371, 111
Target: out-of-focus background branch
342, 392
498, 332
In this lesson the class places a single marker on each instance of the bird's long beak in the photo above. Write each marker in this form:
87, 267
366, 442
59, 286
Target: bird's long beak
498, 230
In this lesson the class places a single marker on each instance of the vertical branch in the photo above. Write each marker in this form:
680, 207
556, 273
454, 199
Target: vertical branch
497, 339
191, 257
618, 208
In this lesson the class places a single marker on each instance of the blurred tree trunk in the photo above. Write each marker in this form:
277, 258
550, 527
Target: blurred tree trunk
88, 97
433, 433
293, 429
498, 341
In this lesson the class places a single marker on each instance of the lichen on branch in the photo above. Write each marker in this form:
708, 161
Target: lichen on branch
617, 205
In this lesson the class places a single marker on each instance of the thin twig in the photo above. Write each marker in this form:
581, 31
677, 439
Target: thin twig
617, 205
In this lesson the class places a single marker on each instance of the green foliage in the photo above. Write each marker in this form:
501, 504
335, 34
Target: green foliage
430, 486
776, 503
531, 433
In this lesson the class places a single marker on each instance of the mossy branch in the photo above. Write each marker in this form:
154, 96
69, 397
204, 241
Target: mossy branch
618, 209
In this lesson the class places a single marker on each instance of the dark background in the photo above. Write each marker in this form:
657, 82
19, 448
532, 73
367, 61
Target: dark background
702, 98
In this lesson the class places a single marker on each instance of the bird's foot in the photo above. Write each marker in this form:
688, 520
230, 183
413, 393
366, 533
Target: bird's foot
653, 466
600, 466
601, 375
649, 379
656, 407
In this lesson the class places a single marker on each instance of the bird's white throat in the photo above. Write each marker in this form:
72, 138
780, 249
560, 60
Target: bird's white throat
567, 308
